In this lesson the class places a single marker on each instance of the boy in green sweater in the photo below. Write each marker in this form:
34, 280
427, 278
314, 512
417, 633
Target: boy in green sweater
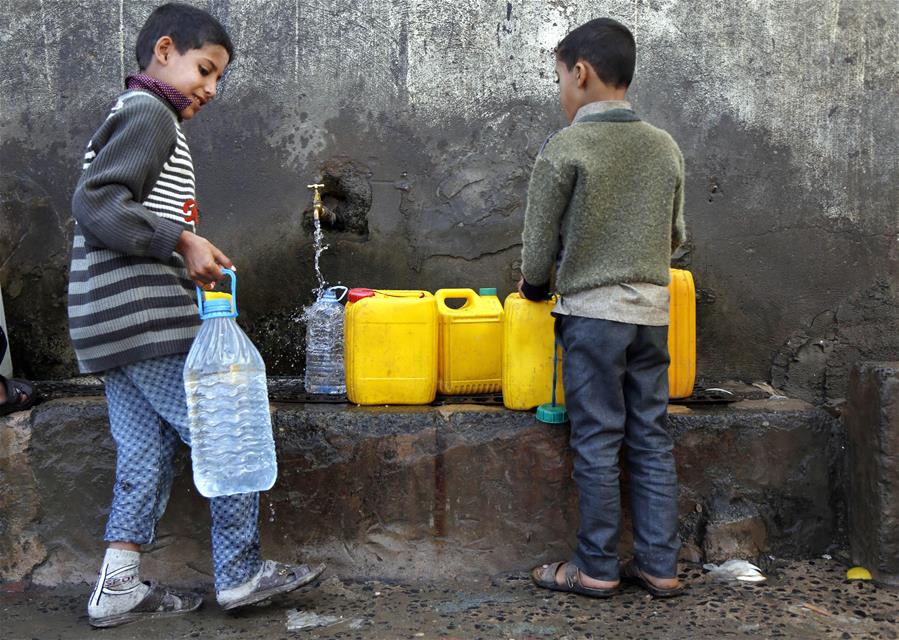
605, 207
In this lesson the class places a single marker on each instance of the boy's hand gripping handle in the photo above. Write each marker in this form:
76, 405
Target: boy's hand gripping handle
201, 294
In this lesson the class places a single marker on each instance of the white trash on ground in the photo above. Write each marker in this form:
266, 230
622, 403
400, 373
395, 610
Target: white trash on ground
734, 569
298, 620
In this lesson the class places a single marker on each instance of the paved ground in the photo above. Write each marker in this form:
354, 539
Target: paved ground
801, 600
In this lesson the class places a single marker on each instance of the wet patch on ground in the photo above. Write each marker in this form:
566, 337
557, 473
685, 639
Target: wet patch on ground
809, 599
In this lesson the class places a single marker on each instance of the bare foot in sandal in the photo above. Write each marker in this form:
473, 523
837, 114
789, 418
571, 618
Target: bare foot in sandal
564, 576
587, 581
662, 583
658, 587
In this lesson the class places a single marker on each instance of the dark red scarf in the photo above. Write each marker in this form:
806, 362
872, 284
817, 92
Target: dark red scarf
170, 94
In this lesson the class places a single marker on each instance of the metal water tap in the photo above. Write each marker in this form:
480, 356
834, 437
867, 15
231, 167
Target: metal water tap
319, 210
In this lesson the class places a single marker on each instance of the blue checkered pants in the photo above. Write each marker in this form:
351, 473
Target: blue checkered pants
147, 417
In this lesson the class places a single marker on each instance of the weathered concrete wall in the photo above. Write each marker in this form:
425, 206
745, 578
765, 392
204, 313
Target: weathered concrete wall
872, 460
429, 115
422, 492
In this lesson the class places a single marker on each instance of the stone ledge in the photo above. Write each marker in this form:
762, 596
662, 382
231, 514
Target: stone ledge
416, 492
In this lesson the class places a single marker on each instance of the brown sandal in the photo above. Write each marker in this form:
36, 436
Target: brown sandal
632, 574
545, 577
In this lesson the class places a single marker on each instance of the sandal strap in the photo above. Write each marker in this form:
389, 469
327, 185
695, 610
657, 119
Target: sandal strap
552, 570
549, 571
572, 576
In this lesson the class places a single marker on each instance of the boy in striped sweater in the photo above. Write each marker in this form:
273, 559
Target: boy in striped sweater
133, 316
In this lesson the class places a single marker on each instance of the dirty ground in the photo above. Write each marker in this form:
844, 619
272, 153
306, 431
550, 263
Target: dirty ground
808, 599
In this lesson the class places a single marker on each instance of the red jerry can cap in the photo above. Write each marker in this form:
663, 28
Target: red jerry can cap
355, 295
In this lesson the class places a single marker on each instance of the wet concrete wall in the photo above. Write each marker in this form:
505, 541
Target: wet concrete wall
424, 492
425, 119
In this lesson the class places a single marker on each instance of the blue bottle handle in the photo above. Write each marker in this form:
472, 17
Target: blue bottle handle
345, 291
201, 299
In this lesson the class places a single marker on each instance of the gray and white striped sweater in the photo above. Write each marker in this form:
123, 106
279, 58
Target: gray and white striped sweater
130, 297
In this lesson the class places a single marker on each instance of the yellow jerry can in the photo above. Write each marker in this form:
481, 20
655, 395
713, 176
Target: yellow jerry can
528, 341
390, 347
470, 342
529, 336
682, 334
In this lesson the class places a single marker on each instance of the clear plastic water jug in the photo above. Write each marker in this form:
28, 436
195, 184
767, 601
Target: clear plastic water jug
324, 344
232, 447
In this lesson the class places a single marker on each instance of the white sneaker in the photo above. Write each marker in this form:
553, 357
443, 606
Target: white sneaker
110, 608
272, 579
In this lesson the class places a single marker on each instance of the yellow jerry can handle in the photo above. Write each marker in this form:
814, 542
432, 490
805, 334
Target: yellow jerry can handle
450, 294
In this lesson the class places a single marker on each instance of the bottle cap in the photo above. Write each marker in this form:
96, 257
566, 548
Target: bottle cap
552, 413
218, 305
358, 294
487, 291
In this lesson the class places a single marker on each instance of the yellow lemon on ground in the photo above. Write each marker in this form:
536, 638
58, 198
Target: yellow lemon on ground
858, 573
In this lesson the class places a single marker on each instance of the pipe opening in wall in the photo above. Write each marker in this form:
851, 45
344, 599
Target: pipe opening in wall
347, 194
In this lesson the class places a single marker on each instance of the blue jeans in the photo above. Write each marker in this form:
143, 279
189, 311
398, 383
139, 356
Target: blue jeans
616, 391
148, 419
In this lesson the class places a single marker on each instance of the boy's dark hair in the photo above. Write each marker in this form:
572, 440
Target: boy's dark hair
187, 26
607, 45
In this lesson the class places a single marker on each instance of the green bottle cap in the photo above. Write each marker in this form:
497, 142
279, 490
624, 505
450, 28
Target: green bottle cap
487, 291
552, 413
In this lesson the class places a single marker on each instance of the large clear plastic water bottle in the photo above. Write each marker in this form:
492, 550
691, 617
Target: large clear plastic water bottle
232, 448
324, 344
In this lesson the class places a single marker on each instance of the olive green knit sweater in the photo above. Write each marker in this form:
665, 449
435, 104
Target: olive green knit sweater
606, 201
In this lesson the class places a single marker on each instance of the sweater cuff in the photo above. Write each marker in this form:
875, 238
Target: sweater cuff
165, 239
535, 292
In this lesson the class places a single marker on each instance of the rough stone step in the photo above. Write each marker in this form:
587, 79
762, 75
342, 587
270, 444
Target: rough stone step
418, 492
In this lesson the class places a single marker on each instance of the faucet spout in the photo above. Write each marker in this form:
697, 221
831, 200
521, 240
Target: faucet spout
319, 211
